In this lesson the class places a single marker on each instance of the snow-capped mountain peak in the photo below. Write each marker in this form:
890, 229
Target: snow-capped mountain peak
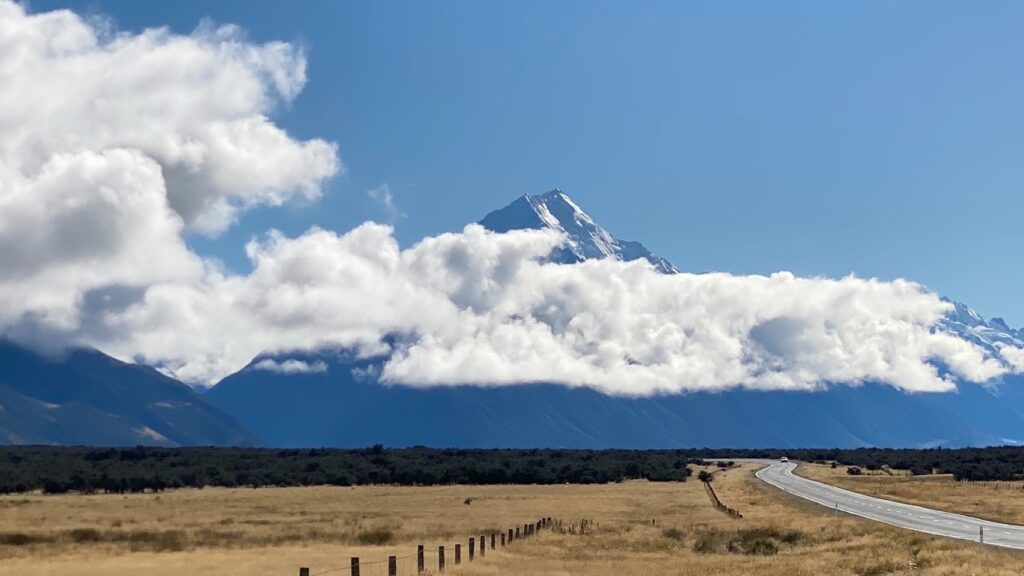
966, 323
585, 238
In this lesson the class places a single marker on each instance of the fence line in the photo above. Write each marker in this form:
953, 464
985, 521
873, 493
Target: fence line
733, 513
477, 549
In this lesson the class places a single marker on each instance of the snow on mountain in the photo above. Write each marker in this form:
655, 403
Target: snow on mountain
585, 238
966, 323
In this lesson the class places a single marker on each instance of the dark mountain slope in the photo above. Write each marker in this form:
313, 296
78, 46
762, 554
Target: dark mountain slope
86, 397
335, 408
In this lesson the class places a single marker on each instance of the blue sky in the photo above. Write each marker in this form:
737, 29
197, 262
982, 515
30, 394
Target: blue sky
877, 138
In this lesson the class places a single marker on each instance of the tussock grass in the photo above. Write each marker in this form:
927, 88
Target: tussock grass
273, 531
882, 568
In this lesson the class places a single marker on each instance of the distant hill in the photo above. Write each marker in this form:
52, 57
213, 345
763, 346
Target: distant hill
84, 397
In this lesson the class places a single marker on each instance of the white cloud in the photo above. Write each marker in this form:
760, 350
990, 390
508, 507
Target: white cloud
382, 195
1014, 356
197, 105
291, 366
480, 308
115, 145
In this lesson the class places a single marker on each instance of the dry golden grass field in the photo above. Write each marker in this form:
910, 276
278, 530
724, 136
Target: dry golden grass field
999, 501
274, 531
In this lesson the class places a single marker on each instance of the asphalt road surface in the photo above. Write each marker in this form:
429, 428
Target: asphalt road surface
780, 475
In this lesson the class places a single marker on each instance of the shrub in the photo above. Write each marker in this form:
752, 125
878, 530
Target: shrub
81, 535
751, 541
758, 546
673, 534
375, 537
22, 539
853, 471
152, 540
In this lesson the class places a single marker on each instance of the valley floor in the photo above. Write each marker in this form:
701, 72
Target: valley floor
637, 527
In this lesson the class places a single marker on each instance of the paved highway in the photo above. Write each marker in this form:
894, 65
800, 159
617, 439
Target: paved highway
780, 475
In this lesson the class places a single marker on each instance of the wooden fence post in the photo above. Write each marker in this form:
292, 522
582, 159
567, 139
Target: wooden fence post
483, 545
458, 554
303, 571
471, 548
392, 566
517, 532
419, 559
494, 538
502, 545
440, 558
355, 566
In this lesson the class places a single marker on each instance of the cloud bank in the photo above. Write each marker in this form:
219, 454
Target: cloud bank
482, 308
116, 146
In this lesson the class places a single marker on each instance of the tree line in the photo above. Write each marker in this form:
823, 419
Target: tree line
139, 469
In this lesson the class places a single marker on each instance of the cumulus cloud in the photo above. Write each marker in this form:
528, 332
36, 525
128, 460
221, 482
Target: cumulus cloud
482, 308
116, 145
291, 366
1014, 356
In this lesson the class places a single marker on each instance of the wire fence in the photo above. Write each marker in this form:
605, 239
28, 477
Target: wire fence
732, 512
436, 560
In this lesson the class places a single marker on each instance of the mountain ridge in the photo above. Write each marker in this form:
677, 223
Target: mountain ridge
585, 238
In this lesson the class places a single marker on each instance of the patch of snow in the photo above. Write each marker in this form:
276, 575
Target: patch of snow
147, 432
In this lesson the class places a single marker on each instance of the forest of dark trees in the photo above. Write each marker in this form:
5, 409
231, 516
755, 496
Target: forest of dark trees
60, 469
997, 463
80, 469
